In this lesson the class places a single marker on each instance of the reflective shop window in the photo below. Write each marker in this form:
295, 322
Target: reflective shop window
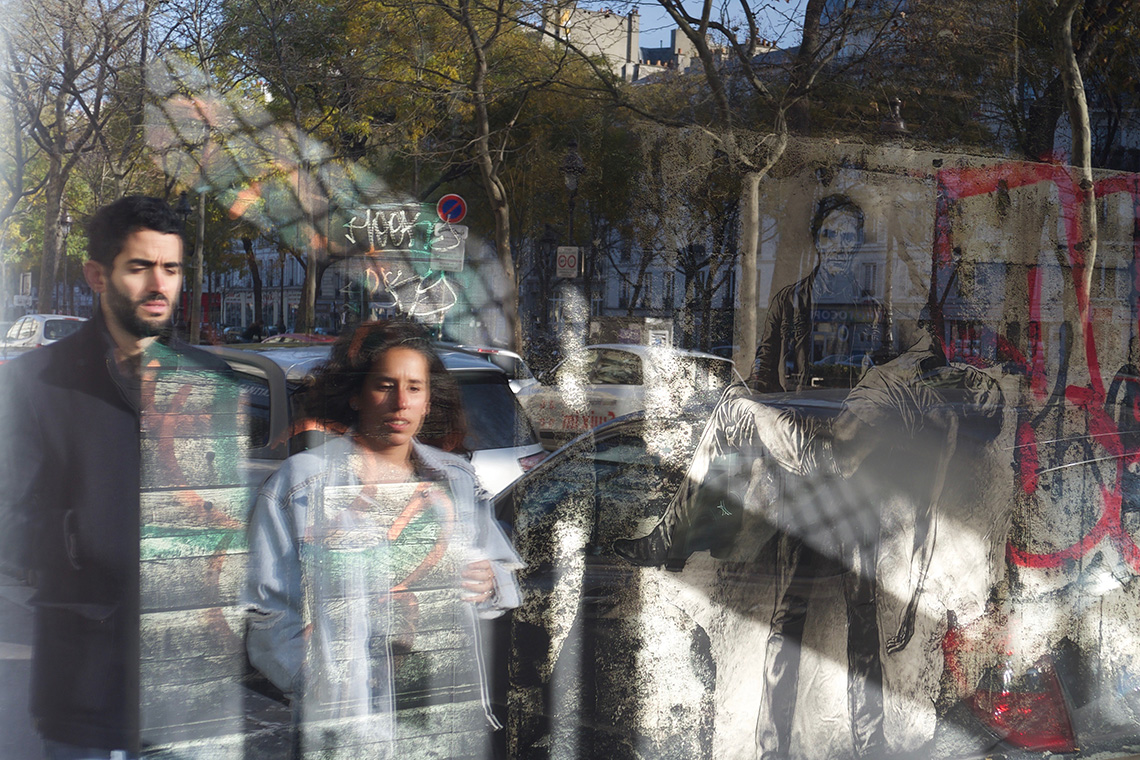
901, 519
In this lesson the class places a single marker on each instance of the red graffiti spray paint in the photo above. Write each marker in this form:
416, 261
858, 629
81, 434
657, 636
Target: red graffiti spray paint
956, 184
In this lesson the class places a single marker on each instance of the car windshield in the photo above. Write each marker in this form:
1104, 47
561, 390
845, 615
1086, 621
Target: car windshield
255, 406
628, 473
614, 368
494, 419
54, 329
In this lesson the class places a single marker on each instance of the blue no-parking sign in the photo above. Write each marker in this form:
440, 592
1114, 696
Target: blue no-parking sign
451, 208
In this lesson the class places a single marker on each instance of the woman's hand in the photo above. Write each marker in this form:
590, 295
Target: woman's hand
479, 582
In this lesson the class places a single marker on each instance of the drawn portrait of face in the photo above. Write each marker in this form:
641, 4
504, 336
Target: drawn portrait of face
838, 239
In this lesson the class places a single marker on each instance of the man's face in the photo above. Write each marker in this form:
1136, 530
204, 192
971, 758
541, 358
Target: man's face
837, 241
142, 284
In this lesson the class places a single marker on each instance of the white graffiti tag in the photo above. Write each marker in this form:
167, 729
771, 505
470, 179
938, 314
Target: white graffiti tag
427, 298
387, 228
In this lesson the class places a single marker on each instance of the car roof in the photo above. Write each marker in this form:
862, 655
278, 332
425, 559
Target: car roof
47, 317
655, 351
298, 362
695, 414
479, 348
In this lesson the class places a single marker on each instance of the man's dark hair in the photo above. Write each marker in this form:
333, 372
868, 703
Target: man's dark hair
831, 204
110, 226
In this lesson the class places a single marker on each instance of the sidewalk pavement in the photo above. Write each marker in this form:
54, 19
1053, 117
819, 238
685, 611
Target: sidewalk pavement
18, 739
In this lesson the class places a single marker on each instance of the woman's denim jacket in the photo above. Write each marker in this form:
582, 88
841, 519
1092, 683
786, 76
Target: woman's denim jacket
312, 627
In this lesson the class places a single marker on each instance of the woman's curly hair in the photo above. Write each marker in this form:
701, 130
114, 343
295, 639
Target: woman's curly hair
328, 397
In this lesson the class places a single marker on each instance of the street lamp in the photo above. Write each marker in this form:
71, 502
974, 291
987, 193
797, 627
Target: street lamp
572, 168
547, 250
65, 228
281, 285
183, 209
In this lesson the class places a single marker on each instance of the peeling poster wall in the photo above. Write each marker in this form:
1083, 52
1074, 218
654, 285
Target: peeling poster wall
1030, 590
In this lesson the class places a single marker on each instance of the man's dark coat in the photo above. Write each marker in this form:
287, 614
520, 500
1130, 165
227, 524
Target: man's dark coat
69, 513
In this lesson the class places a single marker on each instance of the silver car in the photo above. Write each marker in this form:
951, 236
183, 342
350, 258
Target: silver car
35, 330
602, 382
508, 361
501, 441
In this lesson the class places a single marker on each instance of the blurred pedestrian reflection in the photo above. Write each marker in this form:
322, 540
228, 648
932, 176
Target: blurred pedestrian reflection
917, 402
371, 557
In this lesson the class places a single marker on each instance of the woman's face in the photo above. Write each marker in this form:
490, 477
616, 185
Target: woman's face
395, 397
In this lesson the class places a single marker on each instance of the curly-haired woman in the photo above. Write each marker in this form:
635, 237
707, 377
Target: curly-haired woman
372, 555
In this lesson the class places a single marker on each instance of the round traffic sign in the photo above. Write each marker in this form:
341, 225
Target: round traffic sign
566, 259
451, 208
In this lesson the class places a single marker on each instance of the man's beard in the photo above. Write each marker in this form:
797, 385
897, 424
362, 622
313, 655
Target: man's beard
125, 313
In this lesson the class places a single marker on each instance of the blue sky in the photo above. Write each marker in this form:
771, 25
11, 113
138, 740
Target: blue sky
656, 24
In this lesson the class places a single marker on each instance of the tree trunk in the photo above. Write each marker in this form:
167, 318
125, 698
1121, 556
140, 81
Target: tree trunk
744, 322
307, 306
492, 184
255, 274
688, 314
1041, 122
1081, 154
315, 267
799, 117
49, 263
510, 306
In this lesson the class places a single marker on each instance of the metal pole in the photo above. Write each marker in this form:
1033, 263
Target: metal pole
196, 298
281, 289
570, 222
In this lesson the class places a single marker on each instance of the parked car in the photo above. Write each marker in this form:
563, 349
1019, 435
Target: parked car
41, 329
508, 361
606, 381
501, 441
233, 334
299, 338
8, 353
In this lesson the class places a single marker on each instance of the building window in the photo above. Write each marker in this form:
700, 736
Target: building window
557, 304
645, 297
623, 294
667, 293
870, 278
598, 297
728, 290
1107, 280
